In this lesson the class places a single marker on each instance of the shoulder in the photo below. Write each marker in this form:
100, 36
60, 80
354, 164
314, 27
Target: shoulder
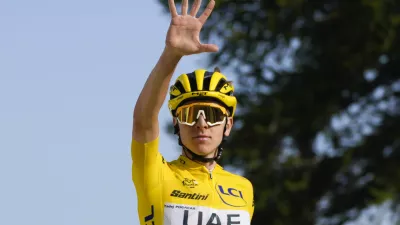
236, 185
175, 164
238, 179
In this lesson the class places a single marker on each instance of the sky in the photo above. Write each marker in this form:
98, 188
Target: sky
70, 74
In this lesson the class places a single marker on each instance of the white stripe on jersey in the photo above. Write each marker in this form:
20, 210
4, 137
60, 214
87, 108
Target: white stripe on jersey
179, 214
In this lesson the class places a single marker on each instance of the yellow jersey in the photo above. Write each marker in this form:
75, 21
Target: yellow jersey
183, 192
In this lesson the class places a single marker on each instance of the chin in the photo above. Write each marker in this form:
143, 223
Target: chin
202, 150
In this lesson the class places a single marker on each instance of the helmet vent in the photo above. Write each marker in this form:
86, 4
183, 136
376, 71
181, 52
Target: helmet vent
192, 81
180, 87
207, 80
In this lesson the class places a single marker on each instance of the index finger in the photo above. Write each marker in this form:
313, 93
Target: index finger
172, 8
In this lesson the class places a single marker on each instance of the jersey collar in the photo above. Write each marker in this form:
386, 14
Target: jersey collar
190, 164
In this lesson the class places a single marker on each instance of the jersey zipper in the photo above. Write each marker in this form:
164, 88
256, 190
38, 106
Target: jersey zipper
212, 185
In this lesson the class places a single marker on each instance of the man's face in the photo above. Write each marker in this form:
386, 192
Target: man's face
202, 138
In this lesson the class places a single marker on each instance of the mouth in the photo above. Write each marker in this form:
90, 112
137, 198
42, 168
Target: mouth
202, 137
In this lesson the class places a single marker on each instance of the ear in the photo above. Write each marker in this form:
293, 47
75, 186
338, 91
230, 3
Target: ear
228, 126
174, 121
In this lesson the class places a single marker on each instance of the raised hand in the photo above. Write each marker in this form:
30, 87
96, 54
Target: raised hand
183, 36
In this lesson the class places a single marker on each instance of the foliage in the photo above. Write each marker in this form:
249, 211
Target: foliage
318, 127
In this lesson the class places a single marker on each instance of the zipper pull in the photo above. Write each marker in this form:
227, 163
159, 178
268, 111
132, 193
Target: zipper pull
210, 175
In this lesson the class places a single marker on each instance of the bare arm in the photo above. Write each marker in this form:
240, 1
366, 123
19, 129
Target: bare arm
145, 116
182, 39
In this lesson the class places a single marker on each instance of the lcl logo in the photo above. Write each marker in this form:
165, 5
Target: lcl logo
230, 191
231, 196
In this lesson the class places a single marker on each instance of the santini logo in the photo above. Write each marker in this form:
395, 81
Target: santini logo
194, 196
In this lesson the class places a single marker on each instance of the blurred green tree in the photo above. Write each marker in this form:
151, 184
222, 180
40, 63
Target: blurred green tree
318, 124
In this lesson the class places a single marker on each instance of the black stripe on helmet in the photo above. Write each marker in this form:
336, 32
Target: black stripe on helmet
192, 81
180, 87
220, 84
207, 80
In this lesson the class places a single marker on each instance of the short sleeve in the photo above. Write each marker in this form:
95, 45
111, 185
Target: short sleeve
148, 164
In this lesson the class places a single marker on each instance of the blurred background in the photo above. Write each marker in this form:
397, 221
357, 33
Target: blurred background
317, 130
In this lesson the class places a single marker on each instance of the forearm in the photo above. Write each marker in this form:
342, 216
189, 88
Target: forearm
154, 91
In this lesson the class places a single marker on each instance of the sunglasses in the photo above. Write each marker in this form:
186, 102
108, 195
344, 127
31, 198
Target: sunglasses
213, 113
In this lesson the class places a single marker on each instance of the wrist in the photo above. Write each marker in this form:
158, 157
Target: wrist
168, 60
171, 53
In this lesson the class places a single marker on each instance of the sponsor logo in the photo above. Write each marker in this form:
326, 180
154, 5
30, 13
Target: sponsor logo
214, 218
194, 196
186, 207
231, 196
230, 191
201, 93
179, 214
226, 86
189, 182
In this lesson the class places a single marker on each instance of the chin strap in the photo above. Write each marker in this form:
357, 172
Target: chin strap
196, 157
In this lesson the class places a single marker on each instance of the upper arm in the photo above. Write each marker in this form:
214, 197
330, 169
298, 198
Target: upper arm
145, 133
148, 169
148, 165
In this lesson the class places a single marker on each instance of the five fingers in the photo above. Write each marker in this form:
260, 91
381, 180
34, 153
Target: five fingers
194, 10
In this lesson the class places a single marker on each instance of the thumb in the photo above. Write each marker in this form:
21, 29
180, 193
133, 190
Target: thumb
209, 48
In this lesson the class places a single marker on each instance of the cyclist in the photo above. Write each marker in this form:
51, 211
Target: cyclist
193, 189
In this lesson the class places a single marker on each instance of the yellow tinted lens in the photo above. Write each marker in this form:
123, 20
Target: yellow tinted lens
213, 115
189, 114
186, 115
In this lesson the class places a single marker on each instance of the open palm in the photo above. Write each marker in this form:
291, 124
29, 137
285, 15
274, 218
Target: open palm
183, 35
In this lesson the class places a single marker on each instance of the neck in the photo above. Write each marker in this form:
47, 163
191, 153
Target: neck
209, 165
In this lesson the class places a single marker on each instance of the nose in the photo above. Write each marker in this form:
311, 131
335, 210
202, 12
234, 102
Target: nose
201, 123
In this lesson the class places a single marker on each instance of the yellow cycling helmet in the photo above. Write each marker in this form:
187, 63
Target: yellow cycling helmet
202, 85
